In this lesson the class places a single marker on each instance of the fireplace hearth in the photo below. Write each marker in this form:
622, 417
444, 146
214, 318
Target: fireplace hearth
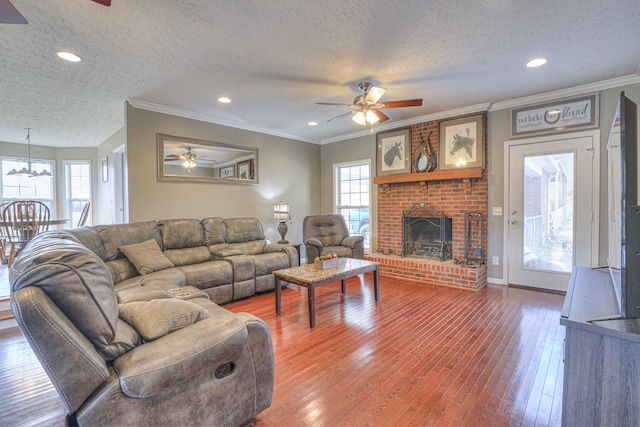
426, 233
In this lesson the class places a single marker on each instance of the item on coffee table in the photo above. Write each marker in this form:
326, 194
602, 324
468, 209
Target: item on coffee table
326, 261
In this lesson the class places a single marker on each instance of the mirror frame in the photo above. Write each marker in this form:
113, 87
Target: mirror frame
163, 176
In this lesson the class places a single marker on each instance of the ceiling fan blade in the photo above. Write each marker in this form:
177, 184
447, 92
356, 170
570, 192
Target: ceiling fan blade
374, 94
332, 103
341, 116
9, 14
383, 117
103, 2
403, 103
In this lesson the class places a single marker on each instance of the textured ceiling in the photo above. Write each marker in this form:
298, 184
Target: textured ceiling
276, 58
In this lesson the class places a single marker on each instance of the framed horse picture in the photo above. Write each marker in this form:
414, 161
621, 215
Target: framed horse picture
393, 152
461, 143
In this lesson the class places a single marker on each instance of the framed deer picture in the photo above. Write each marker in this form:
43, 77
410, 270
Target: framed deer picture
393, 152
461, 143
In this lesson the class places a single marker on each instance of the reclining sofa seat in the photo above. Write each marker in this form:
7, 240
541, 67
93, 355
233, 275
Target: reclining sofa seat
241, 241
327, 234
217, 370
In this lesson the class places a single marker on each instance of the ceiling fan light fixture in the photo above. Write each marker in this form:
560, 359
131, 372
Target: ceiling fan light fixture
68, 56
371, 117
360, 118
365, 117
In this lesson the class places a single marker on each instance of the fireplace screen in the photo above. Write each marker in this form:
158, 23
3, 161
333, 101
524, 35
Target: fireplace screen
426, 233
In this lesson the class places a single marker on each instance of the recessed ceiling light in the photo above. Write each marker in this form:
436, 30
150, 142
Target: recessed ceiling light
313, 123
68, 56
536, 62
224, 99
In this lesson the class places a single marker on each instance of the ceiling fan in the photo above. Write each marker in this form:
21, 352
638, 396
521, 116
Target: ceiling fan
366, 107
10, 15
188, 158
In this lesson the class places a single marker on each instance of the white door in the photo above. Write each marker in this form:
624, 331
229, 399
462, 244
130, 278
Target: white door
121, 197
551, 217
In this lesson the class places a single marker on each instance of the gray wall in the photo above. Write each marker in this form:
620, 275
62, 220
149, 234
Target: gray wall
104, 208
356, 149
498, 132
288, 171
498, 122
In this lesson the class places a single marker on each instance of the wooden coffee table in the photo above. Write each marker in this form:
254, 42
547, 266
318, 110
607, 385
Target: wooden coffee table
310, 277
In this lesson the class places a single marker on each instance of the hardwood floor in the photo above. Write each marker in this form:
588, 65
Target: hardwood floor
422, 355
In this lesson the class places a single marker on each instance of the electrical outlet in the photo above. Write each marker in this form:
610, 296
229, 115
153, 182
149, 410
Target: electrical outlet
497, 210
496, 260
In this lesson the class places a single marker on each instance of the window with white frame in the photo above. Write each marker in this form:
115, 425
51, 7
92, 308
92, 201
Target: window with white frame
353, 196
19, 187
78, 188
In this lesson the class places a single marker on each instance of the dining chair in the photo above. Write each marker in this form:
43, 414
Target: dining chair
3, 238
84, 215
23, 220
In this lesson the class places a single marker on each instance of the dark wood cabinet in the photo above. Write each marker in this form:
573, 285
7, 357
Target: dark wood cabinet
601, 355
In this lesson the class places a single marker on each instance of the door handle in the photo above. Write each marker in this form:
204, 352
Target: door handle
514, 222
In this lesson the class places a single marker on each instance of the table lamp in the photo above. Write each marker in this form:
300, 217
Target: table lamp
281, 213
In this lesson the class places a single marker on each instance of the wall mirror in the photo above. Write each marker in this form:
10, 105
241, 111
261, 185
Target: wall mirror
196, 160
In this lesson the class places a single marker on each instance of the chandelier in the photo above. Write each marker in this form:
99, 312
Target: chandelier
28, 171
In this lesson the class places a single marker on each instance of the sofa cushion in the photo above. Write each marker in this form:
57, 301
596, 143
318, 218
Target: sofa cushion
207, 274
121, 269
213, 230
159, 317
146, 256
115, 235
239, 230
187, 256
268, 263
253, 247
181, 233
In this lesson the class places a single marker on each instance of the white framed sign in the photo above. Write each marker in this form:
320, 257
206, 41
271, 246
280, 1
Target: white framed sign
563, 115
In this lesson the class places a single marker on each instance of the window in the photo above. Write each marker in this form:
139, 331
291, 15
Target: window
353, 197
15, 187
78, 183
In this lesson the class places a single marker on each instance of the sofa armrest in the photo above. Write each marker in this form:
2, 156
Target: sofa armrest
288, 249
352, 241
314, 242
226, 252
160, 364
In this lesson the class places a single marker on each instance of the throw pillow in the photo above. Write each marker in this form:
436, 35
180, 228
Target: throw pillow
146, 256
156, 318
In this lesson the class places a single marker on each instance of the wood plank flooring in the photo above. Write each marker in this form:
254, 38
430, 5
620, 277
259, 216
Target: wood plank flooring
423, 355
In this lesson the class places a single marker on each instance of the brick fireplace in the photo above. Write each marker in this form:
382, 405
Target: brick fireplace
453, 197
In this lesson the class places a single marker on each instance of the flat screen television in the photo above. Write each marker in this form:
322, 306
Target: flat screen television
623, 210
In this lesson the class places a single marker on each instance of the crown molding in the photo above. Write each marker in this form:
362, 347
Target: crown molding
488, 106
178, 112
564, 93
394, 125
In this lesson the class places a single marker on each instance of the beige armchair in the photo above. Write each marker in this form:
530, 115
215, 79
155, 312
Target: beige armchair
324, 234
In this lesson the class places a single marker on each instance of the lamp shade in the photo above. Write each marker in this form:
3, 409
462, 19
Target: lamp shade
281, 212
363, 117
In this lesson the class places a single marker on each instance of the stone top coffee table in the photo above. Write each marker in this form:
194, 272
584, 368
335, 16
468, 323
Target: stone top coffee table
310, 277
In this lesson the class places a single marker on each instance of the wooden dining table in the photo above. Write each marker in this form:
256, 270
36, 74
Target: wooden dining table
49, 222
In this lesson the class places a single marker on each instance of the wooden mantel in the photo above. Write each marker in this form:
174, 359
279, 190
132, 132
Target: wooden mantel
429, 176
